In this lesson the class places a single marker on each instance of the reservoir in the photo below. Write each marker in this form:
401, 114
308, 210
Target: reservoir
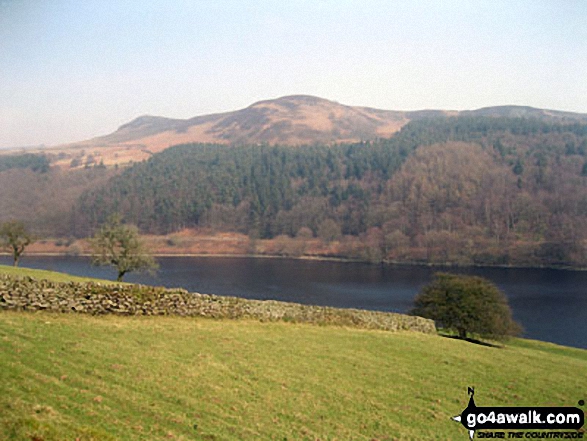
550, 304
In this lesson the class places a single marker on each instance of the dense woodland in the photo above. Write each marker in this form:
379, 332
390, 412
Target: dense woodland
37, 163
461, 190
42, 196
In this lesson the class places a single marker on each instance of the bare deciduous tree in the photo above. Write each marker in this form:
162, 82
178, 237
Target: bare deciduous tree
15, 237
119, 245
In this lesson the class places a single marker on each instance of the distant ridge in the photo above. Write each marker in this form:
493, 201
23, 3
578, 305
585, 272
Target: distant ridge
289, 120
296, 119
526, 112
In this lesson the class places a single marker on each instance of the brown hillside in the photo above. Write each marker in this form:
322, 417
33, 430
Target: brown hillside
290, 120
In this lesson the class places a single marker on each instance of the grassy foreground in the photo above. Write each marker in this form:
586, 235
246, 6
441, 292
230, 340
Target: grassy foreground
69, 376
48, 275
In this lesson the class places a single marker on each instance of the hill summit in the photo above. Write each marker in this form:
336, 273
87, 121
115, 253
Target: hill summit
289, 120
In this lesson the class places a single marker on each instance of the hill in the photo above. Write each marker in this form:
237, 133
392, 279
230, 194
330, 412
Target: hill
289, 120
295, 120
70, 376
459, 190
44, 199
477, 188
78, 376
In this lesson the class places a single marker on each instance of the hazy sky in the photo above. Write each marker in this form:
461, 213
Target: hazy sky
72, 70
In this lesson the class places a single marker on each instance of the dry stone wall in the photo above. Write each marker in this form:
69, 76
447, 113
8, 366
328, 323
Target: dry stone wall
29, 294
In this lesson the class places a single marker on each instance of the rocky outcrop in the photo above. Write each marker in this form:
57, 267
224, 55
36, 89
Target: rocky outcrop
29, 294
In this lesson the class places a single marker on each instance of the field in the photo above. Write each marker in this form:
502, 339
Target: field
47, 275
69, 376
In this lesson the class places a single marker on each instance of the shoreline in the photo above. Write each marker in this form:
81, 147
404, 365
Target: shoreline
321, 259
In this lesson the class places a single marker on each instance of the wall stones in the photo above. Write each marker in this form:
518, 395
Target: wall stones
28, 294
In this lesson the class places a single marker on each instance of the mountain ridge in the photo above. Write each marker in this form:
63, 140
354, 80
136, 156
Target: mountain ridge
302, 119
287, 120
293, 119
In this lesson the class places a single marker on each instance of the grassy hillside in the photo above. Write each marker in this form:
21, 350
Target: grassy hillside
82, 377
66, 376
48, 275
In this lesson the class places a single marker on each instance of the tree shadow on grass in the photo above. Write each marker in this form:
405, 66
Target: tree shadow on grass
472, 340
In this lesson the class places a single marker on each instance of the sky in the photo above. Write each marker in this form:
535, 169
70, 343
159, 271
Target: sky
73, 70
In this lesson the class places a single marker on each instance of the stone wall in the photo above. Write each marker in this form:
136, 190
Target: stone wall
28, 294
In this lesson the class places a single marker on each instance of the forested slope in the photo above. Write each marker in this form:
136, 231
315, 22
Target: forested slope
32, 190
463, 190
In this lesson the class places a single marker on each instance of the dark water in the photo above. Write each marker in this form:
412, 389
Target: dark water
550, 304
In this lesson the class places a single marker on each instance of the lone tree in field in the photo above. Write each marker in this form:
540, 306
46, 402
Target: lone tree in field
15, 237
467, 305
119, 245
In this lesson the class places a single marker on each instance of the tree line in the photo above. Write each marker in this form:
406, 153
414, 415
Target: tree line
463, 189
37, 163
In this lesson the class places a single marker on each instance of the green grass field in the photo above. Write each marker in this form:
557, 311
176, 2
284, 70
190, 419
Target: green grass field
67, 377
47, 275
